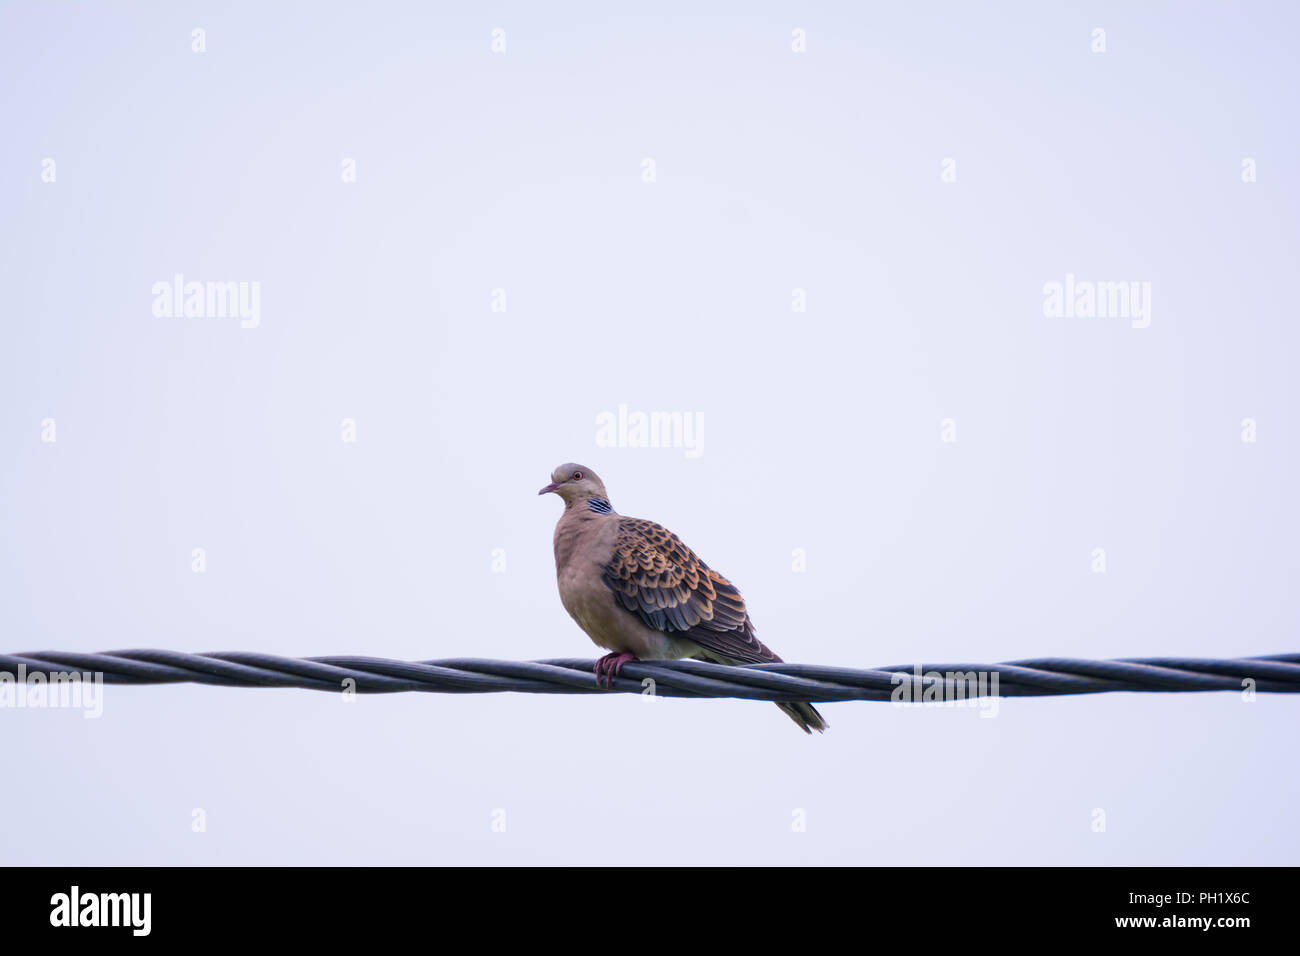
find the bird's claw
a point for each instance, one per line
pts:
(609, 667)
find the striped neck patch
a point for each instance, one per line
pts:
(599, 505)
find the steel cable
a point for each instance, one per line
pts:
(1039, 677)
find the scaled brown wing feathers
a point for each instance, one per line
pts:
(655, 576)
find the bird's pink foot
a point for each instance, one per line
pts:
(610, 666)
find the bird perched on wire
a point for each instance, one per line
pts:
(640, 593)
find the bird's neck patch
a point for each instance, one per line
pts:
(599, 505)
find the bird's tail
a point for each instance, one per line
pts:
(806, 716)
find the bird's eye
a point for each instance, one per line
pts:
(577, 476)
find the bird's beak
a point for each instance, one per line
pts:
(549, 488)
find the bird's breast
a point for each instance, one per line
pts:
(584, 546)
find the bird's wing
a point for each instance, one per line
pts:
(655, 576)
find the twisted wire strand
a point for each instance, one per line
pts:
(1039, 677)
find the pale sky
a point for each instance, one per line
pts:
(833, 267)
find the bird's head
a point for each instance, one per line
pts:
(575, 483)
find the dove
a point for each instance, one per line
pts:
(642, 594)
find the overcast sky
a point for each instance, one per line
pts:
(825, 236)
